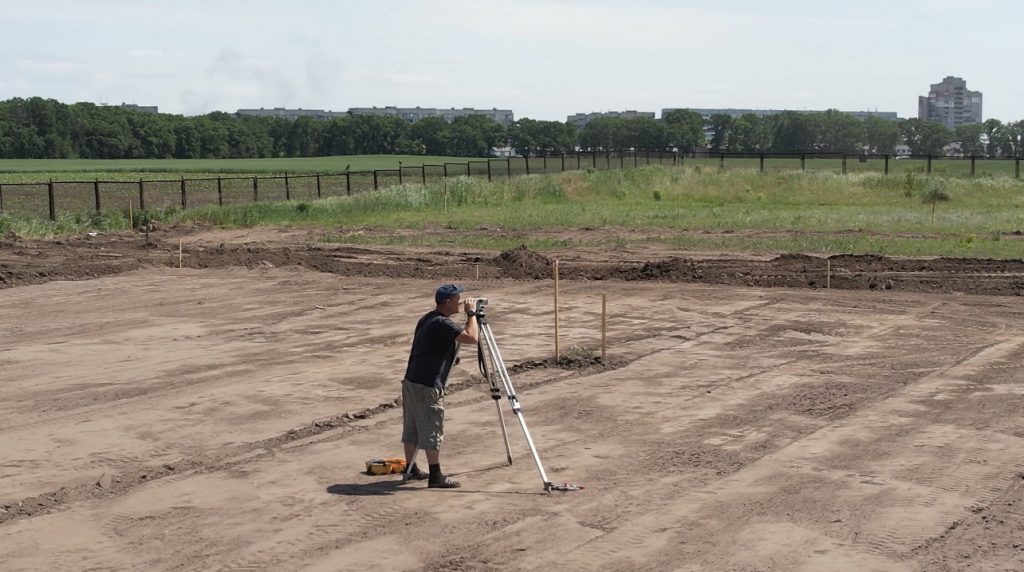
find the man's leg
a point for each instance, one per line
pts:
(410, 432)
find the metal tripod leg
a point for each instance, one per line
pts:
(502, 372)
(495, 395)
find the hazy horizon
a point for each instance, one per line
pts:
(543, 59)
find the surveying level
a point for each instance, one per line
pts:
(493, 374)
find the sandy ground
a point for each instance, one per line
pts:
(165, 419)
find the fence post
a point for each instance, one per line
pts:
(220, 192)
(287, 189)
(53, 206)
(803, 161)
(972, 165)
(508, 167)
(255, 190)
(636, 162)
(1016, 171)
(886, 164)
(348, 183)
(844, 163)
(375, 187)
(184, 201)
(399, 172)
(423, 174)
(318, 191)
(1, 197)
(488, 170)
(648, 156)
(929, 171)
(95, 192)
(545, 162)
(527, 164)
(142, 195)
(445, 170)
(721, 160)
(468, 173)
(563, 162)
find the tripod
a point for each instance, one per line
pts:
(497, 372)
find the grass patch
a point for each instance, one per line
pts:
(970, 221)
(87, 169)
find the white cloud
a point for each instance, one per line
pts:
(145, 54)
(34, 66)
(542, 58)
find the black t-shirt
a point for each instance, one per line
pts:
(433, 350)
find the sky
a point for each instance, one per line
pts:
(543, 59)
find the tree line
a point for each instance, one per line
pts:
(37, 128)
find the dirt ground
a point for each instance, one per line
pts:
(219, 416)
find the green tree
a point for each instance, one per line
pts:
(969, 138)
(749, 134)
(839, 132)
(994, 134)
(794, 132)
(605, 134)
(648, 134)
(475, 136)
(925, 137)
(336, 137)
(304, 137)
(685, 128)
(719, 124)
(434, 133)
(881, 136)
(532, 137)
(1012, 140)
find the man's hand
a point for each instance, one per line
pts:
(468, 304)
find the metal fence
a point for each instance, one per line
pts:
(50, 198)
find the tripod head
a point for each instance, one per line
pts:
(481, 303)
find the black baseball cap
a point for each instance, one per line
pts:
(447, 291)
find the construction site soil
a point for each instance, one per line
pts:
(752, 412)
(24, 262)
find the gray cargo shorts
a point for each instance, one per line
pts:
(422, 415)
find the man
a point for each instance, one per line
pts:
(434, 348)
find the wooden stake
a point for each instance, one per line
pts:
(129, 216)
(604, 326)
(556, 313)
(179, 253)
(477, 271)
(828, 274)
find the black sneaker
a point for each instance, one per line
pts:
(443, 483)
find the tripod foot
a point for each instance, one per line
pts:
(564, 487)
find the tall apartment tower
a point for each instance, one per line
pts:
(950, 103)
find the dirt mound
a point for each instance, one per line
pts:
(674, 268)
(521, 262)
(796, 257)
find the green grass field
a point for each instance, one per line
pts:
(62, 169)
(818, 211)
(40, 170)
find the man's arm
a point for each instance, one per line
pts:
(471, 335)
